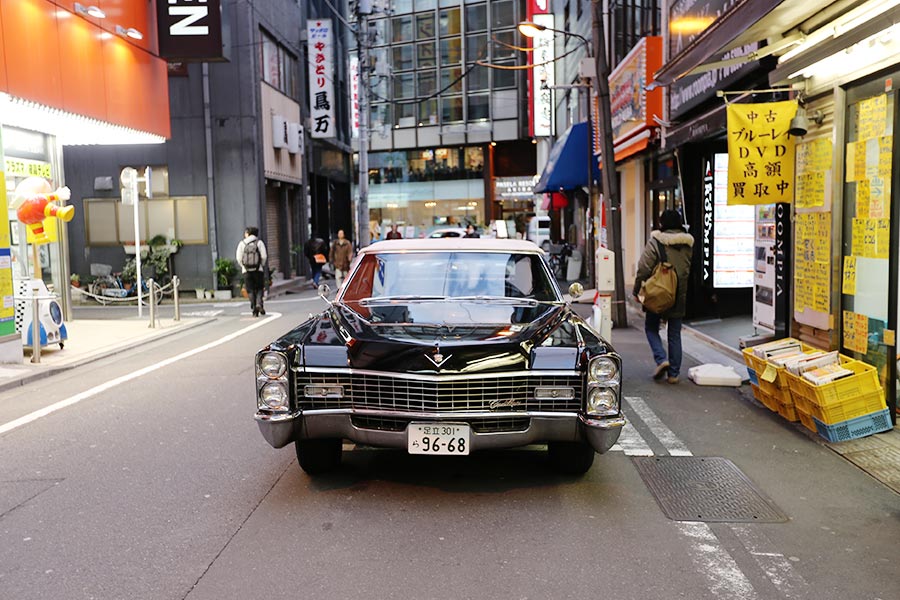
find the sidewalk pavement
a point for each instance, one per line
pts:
(94, 339)
(878, 455)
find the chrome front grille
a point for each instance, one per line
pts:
(479, 425)
(386, 392)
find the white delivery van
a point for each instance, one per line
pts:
(539, 231)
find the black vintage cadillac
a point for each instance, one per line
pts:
(443, 347)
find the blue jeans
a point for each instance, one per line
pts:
(651, 328)
(316, 271)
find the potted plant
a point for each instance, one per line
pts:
(225, 270)
(75, 278)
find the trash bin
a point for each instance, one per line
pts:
(573, 268)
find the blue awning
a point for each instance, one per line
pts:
(567, 166)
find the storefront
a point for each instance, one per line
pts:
(844, 68)
(92, 79)
(418, 190)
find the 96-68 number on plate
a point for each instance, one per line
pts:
(443, 439)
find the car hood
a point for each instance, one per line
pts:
(466, 338)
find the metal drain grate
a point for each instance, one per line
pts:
(712, 490)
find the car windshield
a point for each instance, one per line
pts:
(464, 276)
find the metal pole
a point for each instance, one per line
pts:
(150, 288)
(175, 283)
(137, 244)
(608, 176)
(362, 208)
(35, 323)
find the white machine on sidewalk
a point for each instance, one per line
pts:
(50, 318)
(605, 270)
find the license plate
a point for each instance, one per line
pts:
(437, 439)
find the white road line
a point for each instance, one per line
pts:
(724, 576)
(776, 566)
(47, 410)
(631, 443)
(669, 440)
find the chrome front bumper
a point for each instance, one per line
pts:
(282, 429)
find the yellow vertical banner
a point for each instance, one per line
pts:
(760, 152)
(7, 299)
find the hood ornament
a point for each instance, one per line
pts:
(438, 359)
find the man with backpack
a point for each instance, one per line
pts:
(251, 255)
(661, 287)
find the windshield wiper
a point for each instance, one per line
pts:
(402, 298)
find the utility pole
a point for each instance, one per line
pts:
(363, 9)
(609, 181)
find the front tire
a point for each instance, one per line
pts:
(317, 457)
(570, 458)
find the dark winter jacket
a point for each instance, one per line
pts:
(679, 248)
(341, 253)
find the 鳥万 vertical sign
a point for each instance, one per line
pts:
(321, 78)
(760, 153)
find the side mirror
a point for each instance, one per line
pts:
(576, 290)
(324, 290)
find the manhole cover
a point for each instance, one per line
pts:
(713, 490)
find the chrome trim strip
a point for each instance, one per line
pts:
(439, 378)
(439, 415)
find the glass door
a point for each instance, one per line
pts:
(869, 310)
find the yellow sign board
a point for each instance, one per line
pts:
(760, 152)
(22, 167)
(856, 332)
(848, 285)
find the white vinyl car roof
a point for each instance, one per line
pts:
(451, 244)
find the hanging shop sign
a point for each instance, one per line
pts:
(691, 91)
(543, 57)
(760, 152)
(631, 107)
(354, 96)
(23, 167)
(190, 30)
(321, 78)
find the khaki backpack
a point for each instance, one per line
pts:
(659, 291)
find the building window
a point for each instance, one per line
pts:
(425, 26)
(451, 51)
(476, 17)
(451, 109)
(279, 67)
(503, 14)
(402, 28)
(479, 107)
(631, 21)
(403, 57)
(450, 22)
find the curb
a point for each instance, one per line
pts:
(33, 376)
(722, 347)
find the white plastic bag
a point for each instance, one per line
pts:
(714, 374)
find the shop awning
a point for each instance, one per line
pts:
(769, 19)
(567, 165)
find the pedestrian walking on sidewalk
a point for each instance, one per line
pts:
(677, 246)
(252, 256)
(341, 252)
(315, 249)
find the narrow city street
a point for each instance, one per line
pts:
(162, 488)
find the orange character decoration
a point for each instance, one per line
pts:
(35, 201)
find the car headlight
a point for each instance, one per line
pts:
(273, 365)
(603, 401)
(274, 395)
(602, 370)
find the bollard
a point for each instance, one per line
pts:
(175, 283)
(35, 325)
(150, 287)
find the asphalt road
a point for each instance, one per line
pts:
(162, 488)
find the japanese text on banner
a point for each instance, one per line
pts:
(760, 153)
(321, 78)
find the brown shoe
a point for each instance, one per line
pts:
(672, 380)
(660, 369)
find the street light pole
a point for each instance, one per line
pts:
(609, 181)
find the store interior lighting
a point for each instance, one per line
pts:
(91, 11)
(130, 32)
(70, 129)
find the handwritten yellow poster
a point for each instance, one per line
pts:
(812, 262)
(885, 146)
(856, 332)
(871, 117)
(760, 152)
(850, 163)
(860, 162)
(882, 228)
(863, 198)
(857, 246)
(848, 283)
(879, 198)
